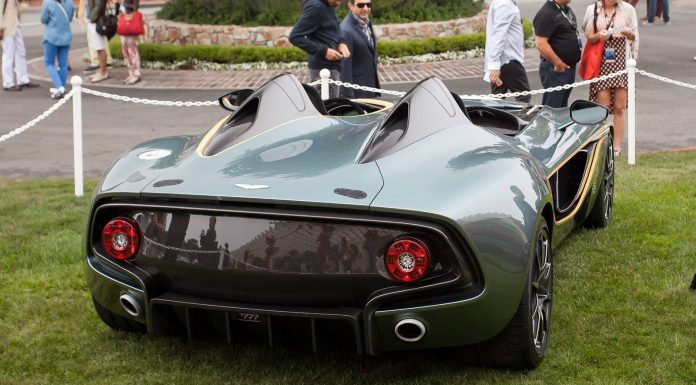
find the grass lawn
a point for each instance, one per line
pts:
(623, 313)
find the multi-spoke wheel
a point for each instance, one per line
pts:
(542, 287)
(523, 343)
(600, 216)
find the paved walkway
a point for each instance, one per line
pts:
(192, 79)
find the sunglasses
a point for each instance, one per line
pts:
(363, 5)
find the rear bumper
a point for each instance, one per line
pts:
(456, 317)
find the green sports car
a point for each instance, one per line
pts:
(422, 223)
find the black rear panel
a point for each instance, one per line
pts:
(269, 258)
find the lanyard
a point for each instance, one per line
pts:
(607, 21)
(572, 24)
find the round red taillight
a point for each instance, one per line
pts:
(407, 260)
(121, 238)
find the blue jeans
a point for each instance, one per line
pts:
(551, 78)
(51, 54)
(652, 7)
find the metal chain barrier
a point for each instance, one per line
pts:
(666, 80)
(486, 96)
(358, 87)
(550, 89)
(148, 101)
(39, 118)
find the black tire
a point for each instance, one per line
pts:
(524, 341)
(603, 208)
(116, 321)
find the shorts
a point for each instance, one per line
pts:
(96, 41)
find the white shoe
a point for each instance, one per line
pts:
(57, 93)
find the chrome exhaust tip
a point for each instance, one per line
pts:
(130, 304)
(409, 330)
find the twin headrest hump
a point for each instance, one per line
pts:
(280, 100)
(284, 94)
(427, 108)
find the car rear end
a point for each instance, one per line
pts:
(274, 273)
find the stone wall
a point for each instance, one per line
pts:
(171, 32)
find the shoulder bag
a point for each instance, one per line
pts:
(591, 60)
(107, 23)
(132, 27)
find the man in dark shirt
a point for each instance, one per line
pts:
(559, 45)
(361, 68)
(319, 34)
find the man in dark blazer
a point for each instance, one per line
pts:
(318, 33)
(361, 67)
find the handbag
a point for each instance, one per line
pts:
(591, 59)
(132, 27)
(107, 23)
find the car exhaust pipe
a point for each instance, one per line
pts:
(130, 304)
(409, 330)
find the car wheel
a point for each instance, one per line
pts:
(524, 341)
(601, 212)
(116, 321)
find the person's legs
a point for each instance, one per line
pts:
(658, 9)
(50, 53)
(620, 101)
(544, 68)
(8, 54)
(604, 97)
(99, 43)
(94, 58)
(136, 57)
(21, 59)
(550, 78)
(109, 59)
(665, 11)
(101, 54)
(514, 79)
(568, 77)
(652, 7)
(126, 55)
(63, 64)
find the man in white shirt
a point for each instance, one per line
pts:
(504, 66)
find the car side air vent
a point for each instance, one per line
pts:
(426, 109)
(235, 126)
(389, 135)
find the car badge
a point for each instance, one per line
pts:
(154, 154)
(252, 186)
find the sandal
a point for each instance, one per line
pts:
(132, 80)
(617, 151)
(98, 78)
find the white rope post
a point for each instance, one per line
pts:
(631, 136)
(76, 82)
(324, 75)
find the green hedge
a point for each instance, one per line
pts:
(286, 12)
(213, 53)
(249, 54)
